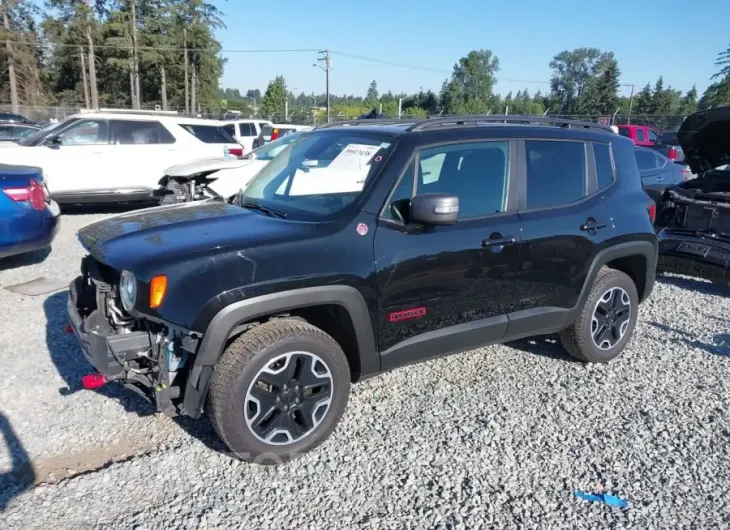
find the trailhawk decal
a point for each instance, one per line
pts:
(407, 314)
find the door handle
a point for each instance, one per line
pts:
(496, 240)
(592, 224)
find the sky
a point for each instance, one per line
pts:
(649, 39)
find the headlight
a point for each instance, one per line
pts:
(128, 290)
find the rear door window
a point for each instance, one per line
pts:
(556, 173)
(208, 134)
(132, 132)
(640, 136)
(7, 132)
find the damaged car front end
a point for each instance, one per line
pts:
(693, 218)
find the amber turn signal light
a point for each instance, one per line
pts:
(158, 288)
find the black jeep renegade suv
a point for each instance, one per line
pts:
(363, 247)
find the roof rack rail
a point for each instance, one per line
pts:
(452, 121)
(364, 121)
(154, 112)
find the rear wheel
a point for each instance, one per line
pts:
(279, 391)
(607, 320)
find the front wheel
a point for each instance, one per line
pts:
(279, 391)
(607, 320)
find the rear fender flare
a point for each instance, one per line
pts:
(225, 322)
(646, 249)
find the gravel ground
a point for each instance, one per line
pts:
(497, 438)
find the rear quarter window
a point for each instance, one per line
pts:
(209, 134)
(625, 160)
(604, 165)
(623, 131)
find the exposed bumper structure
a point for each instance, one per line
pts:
(693, 254)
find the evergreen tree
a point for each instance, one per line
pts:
(372, 94)
(644, 102)
(273, 103)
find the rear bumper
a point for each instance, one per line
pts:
(693, 255)
(33, 231)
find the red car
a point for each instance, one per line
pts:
(641, 134)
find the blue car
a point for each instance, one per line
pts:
(28, 216)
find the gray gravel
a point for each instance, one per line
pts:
(496, 438)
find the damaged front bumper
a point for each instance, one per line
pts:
(145, 357)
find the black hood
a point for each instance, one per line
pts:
(705, 139)
(182, 231)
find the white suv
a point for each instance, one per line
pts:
(245, 131)
(114, 156)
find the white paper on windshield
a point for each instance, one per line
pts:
(345, 174)
(325, 180)
(354, 157)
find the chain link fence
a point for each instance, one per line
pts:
(35, 113)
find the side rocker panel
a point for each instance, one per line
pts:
(226, 320)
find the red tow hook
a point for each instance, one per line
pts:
(93, 381)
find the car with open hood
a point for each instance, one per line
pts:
(693, 218)
(218, 177)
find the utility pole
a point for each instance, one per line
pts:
(135, 58)
(325, 56)
(631, 102)
(92, 60)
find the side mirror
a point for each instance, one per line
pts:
(54, 141)
(435, 209)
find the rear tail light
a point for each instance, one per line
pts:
(93, 381)
(35, 194)
(274, 134)
(686, 173)
(672, 153)
(651, 210)
(236, 151)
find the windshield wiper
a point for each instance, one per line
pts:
(268, 211)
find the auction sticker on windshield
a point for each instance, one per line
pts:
(354, 156)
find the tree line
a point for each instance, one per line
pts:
(129, 53)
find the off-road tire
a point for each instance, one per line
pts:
(175, 192)
(577, 338)
(241, 362)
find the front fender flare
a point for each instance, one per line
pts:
(227, 319)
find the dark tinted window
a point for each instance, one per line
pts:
(604, 167)
(624, 132)
(640, 136)
(555, 173)
(645, 160)
(652, 136)
(475, 172)
(669, 138)
(7, 116)
(230, 129)
(401, 197)
(209, 134)
(132, 132)
(247, 129)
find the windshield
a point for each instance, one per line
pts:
(42, 134)
(317, 175)
(270, 150)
